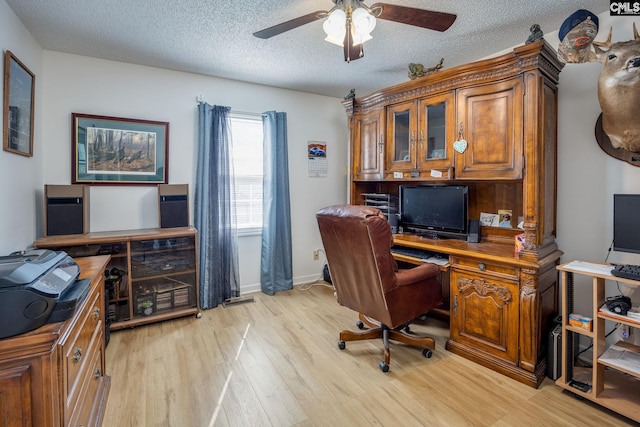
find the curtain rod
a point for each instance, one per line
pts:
(241, 113)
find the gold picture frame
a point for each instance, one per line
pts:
(19, 86)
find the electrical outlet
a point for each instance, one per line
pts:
(316, 254)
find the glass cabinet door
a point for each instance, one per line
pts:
(401, 120)
(437, 132)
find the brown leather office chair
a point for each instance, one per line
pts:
(357, 241)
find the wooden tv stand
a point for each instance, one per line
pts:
(500, 305)
(153, 273)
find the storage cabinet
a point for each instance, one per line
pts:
(368, 146)
(491, 121)
(485, 307)
(613, 379)
(55, 375)
(152, 275)
(420, 137)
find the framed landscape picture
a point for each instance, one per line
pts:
(19, 85)
(115, 150)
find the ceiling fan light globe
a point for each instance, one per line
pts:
(363, 22)
(334, 25)
(337, 40)
(360, 38)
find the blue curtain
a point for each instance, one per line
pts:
(214, 209)
(276, 271)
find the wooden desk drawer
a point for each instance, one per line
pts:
(79, 346)
(483, 267)
(82, 413)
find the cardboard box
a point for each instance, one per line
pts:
(580, 321)
(519, 242)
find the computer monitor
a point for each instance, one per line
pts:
(626, 223)
(438, 211)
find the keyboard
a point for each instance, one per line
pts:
(412, 252)
(627, 271)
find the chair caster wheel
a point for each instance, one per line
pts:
(342, 345)
(359, 324)
(384, 367)
(427, 353)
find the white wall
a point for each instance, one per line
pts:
(20, 175)
(86, 85)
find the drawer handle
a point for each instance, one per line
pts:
(77, 355)
(96, 312)
(98, 374)
(482, 267)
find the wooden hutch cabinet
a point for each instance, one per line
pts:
(501, 302)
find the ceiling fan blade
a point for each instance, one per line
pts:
(290, 25)
(351, 52)
(438, 21)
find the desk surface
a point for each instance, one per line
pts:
(490, 251)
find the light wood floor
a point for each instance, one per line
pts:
(275, 362)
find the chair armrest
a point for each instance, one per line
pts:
(417, 274)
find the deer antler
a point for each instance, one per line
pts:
(607, 43)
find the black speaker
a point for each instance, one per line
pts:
(473, 234)
(66, 209)
(173, 205)
(393, 222)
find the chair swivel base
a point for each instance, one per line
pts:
(381, 331)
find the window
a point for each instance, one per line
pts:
(246, 134)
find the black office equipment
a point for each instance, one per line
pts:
(627, 271)
(473, 236)
(38, 287)
(173, 205)
(66, 209)
(626, 226)
(435, 211)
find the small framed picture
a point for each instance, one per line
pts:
(19, 85)
(505, 218)
(489, 219)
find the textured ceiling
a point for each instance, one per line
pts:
(213, 37)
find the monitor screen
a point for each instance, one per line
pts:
(437, 211)
(626, 223)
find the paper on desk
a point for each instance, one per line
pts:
(436, 260)
(589, 267)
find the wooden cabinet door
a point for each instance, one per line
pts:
(368, 146)
(484, 314)
(490, 118)
(401, 137)
(436, 132)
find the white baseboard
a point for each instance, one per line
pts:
(255, 287)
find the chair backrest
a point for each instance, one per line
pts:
(357, 241)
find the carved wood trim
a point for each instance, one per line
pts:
(534, 56)
(483, 288)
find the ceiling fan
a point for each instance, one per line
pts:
(349, 23)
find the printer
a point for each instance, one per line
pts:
(38, 286)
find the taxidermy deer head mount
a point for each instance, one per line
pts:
(619, 90)
(619, 80)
